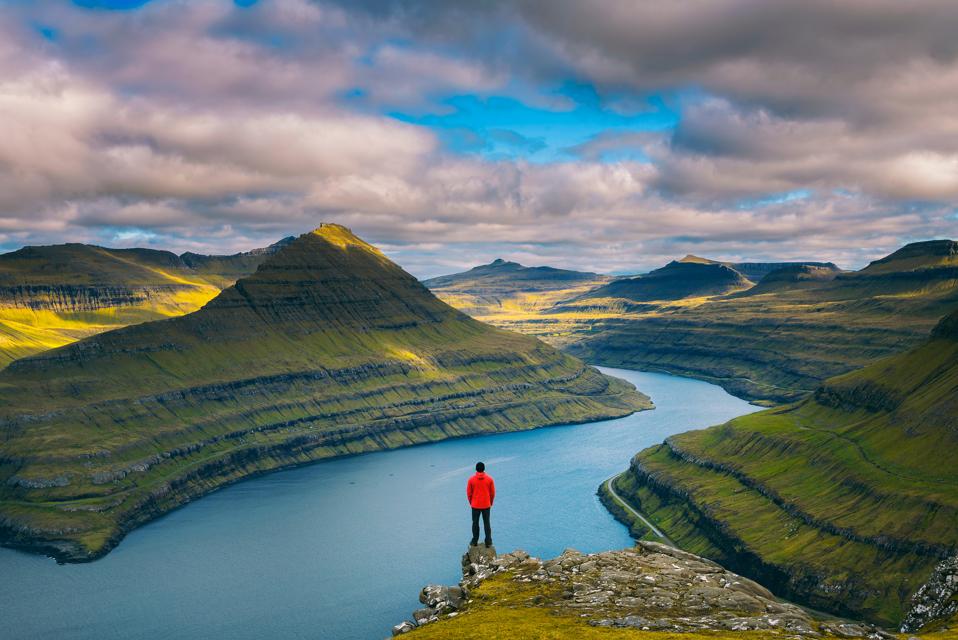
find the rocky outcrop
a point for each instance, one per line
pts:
(937, 599)
(478, 563)
(76, 298)
(651, 587)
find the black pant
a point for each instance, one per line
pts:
(485, 524)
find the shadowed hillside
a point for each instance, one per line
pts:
(328, 349)
(501, 288)
(54, 295)
(771, 343)
(674, 281)
(847, 500)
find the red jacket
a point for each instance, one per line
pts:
(481, 491)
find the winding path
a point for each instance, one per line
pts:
(609, 486)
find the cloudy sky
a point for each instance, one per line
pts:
(608, 135)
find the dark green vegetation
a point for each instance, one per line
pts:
(846, 500)
(674, 281)
(328, 349)
(54, 295)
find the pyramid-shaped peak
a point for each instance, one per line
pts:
(322, 253)
(340, 236)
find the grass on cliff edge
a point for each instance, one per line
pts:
(834, 492)
(501, 608)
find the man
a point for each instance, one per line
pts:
(481, 493)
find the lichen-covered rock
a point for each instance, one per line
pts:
(425, 615)
(937, 599)
(441, 598)
(478, 563)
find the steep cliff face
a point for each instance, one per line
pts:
(847, 500)
(328, 349)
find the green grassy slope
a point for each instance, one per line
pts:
(328, 349)
(778, 341)
(54, 295)
(845, 500)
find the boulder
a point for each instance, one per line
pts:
(425, 615)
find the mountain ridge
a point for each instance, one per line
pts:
(328, 349)
(55, 294)
(845, 500)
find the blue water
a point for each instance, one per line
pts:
(340, 549)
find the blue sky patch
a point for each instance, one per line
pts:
(503, 127)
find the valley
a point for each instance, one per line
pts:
(820, 498)
(328, 349)
(773, 342)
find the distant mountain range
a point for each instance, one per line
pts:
(847, 500)
(768, 331)
(54, 295)
(770, 341)
(502, 288)
(328, 349)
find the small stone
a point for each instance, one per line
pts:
(403, 627)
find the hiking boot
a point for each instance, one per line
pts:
(488, 543)
(473, 543)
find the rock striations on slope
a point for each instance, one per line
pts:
(54, 295)
(847, 500)
(328, 349)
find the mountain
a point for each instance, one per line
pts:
(793, 277)
(54, 295)
(329, 349)
(501, 289)
(232, 267)
(755, 271)
(778, 341)
(918, 256)
(676, 280)
(846, 500)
